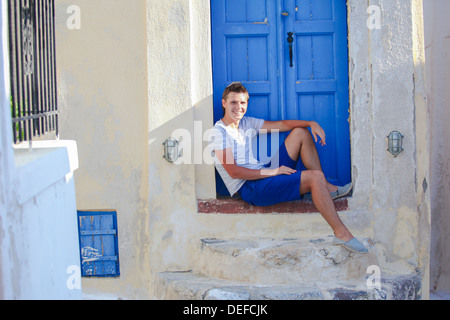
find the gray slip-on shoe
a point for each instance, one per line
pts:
(352, 245)
(342, 191)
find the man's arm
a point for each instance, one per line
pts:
(226, 158)
(288, 125)
(285, 125)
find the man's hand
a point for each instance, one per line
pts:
(317, 130)
(278, 171)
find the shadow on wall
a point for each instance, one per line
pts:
(194, 165)
(172, 195)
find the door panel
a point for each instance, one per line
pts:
(315, 59)
(317, 85)
(244, 49)
(314, 10)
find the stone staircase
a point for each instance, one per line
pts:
(283, 269)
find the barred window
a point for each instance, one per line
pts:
(34, 106)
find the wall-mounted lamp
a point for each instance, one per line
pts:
(171, 152)
(395, 143)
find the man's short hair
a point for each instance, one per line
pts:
(235, 87)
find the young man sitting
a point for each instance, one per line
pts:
(279, 181)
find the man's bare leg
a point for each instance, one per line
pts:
(300, 143)
(314, 181)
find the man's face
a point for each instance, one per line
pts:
(235, 106)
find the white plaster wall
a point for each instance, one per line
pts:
(202, 94)
(393, 185)
(39, 254)
(180, 74)
(437, 39)
(6, 155)
(387, 93)
(103, 96)
(42, 259)
(170, 72)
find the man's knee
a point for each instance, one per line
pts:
(300, 132)
(311, 179)
(314, 175)
(301, 135)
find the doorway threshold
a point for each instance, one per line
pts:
(238, 206)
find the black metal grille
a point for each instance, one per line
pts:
(34, 106)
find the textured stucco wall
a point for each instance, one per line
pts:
(103, 94)
(387, 93)
(42, 253)
(437, 39)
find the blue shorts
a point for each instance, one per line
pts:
(273, 190)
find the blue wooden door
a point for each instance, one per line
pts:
(307, 79)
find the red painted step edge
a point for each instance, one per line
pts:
(237, 206)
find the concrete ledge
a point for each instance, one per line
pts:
(282, 261)
(191, 286)
(237, 206)
(38, 168)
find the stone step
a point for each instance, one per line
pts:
(191, 286)
(282, 261)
